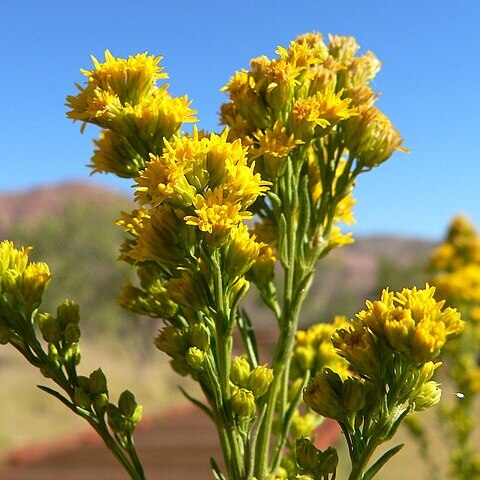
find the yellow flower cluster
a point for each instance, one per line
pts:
(122, 97)
(410, 323)
(455, 264)
(22, 283)
(247, 385)
(282, 104)
(314, 350)
(208, 178)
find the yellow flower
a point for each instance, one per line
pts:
(158, 115)
(241, 251)
(273, 145)
(370, 137)
(114, 154)
(323, 110)
(412, 322)
(215, 215)
(342, 48)
(128, 78)
(12, 258)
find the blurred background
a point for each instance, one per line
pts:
(48, 199)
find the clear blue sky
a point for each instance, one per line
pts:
(430, 83)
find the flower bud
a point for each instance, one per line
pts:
(127, 404)
(321, 396)
(81, 398)
(305, 357)
(353, 395)
(307, 454)
(199, 337)
(50, 328)
(68, 312)
(171, 341)
(243, 402)
(328, 463)
(97, 382)
(71, 333)
(36, 277)
(240, 371)
(259, 380)
(195, 358)
(100, 403)
(429, 396)
(11, 280)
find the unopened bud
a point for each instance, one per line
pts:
(97, 382)
(353, 395)
(240, 371)
(68, 312)
(243, 402)
(195, 358)
(127, 403)
(199, 337)
(71, 333)
(306, 454)
(100, 402)
(428, 397)
(259, 380)
(50, 328)
(81, 398)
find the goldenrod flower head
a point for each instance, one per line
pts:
(216, 215)
(128, 78)
(342, 48)
(371, 137)
(412, 322)
(305, 51)
(259, 380)
(187, 291)
(240, 372)
(12, 258)
(262, 270)
(160, 236)
(242, 402)
(362, 70)
(273, 146)
(35, 279)
(428, 396)
(323, 110)
(115, 155)
(241, 251)
(323, 394)
(158, 116)
(359, 347)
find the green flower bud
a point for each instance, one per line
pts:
(50, 328)
(100, 403)
(97, 382)
(305, 357)
(171, 341)
(83, 382)
(81, 398)
(195, 358)
(307, 454)
(11, 280)
(240, 371)
(353, 395)
(322, 394)
(115, 418)
(127, 403)
(429, 396)
(71, 333)
(180, 366)
(259, 380)
(243, 402)
(199, 337)
(72, 354)
(68, 312)
(328, 462)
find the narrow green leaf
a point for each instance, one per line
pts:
(373, 470)
(197, 403)
(218, 475)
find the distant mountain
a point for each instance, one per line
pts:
(72, 227)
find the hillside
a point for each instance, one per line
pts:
(72, 227)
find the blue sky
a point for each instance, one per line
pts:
(430, 79)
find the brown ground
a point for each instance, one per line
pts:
(177, 446)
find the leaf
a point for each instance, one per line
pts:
(58, 395)
(218, 475)
(248, 337)
(197, 403)
(373, 470)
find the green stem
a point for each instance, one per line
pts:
(360, 465)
